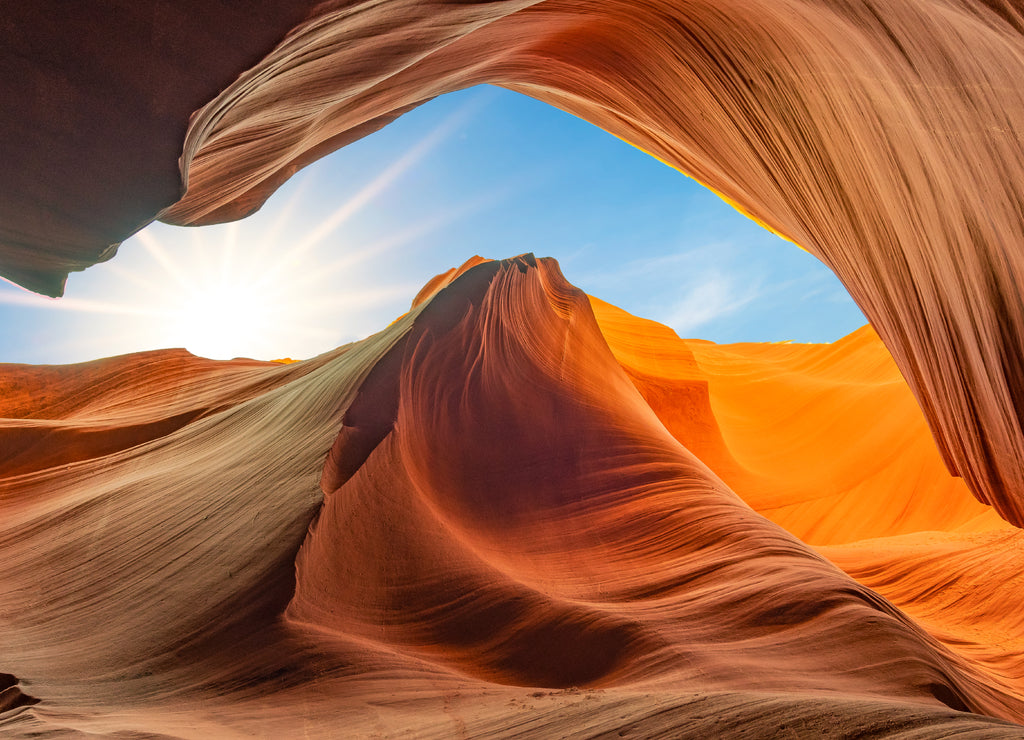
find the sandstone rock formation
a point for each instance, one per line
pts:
(477, 522)
(525, 490)
(880, 136)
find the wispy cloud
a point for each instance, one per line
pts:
(709, 296)
(657, 267)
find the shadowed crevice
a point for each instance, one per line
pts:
(11, 695)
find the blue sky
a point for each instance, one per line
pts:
(342, 248)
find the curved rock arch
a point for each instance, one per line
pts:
(880, 136)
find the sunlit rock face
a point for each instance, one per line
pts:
(516, 509)
(881, 137)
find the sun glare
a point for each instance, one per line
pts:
(245, 289)
(224, 321)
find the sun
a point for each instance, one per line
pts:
(245, 289)
(225, 320)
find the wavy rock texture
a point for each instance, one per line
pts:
(880, 136)
(489, 519)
